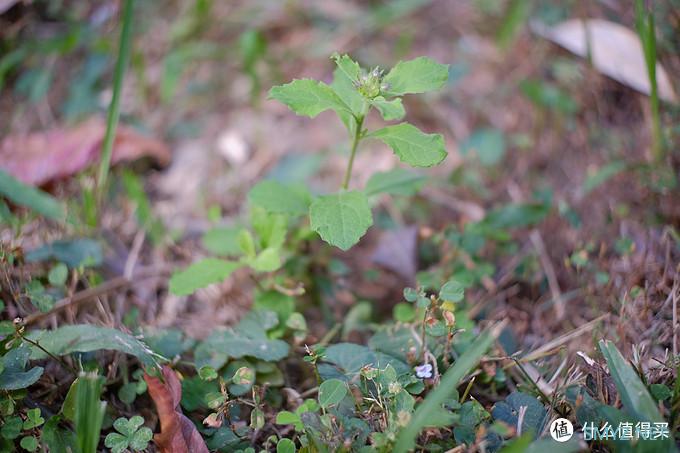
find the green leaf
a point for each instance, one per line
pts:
(33, 419)
(390, 110)
(222, 241)
(634, 395)
(349, 68)
(449, 382)
(535, 416)
(598, 177)
(308, 97)
(487, 143)
(246, 243)
(207, 373)
(248, 338)
(24, 195)
(201, 274)
(411, 145)
(268, 260)
(116, 442)
(57, 439)
(87, 338)
(452, 291)
(285, 446)
(11, 429)
(140, 440)
(416, 76)
(345, 88)
(74, 253)
(397, 181)
(271, 228)
(128, 427)
(279, 198)
(341, 219)
(331, 392)
(13, 376)
(351, 357)
(287, 418)
(29, 443)
(58, 275)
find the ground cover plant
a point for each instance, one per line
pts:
(222, 231)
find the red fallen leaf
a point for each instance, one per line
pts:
(178, 434)
(40, 157)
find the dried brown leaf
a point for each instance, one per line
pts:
(41, 157)
(178, 434)
(615, 50)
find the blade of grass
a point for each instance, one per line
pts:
(89, 411)
(124, 49)
(644, 22)
(21, 194)
(406, 440)
(634, 394)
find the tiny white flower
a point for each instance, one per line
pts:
(424, 371)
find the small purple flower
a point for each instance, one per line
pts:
(424, 371)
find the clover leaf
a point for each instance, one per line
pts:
(131, 434)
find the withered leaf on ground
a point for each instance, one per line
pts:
(616, 51)
(40, 157)
(178, 434)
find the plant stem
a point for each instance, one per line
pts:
(644, 21)
(355, 143)
(114, 108)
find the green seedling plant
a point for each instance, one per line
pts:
(343, 217)
(339, 218)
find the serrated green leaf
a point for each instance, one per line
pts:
(416, 76)
(280, 198)
(349, 67)
(331, 392)
(308, 97)
(222, 241)
(19, 193)
(201, 274)
(390, 110)
(344, 87)
(341, 219)
(411, 145)
(395, 182)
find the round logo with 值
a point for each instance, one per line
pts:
(561, 430)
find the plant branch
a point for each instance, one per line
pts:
(355, 143)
